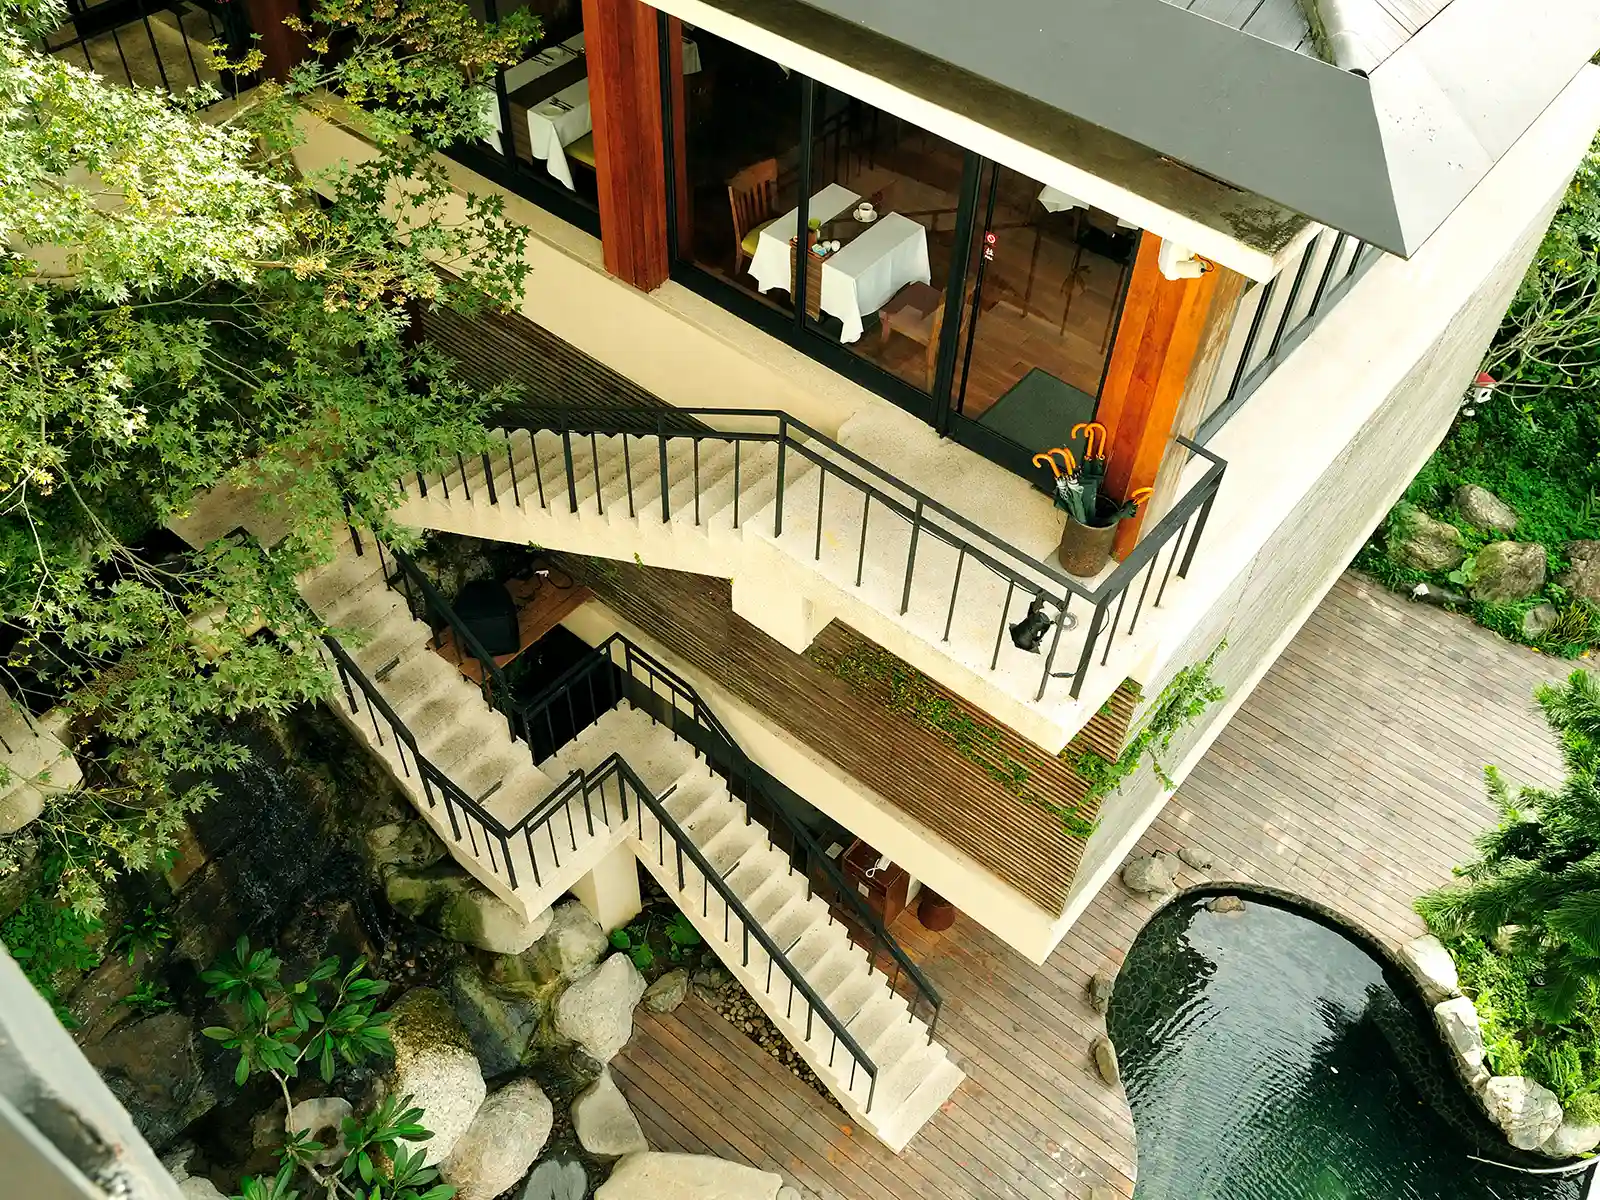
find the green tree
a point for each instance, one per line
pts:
(1539, 869)
(180, 308)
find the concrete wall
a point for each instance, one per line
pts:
(1329, 442)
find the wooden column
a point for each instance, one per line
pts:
(281, 46)
(1164, 323)
(620, 40)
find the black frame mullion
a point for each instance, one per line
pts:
(802, 212)
(945, 398)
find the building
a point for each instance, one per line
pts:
(1265, 250)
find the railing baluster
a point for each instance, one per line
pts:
(1005, 612)
(627, 475)
(911, 558)
(666, 482)
(950, 614)
(861, 552)
(783, 450)
(1050, 659)
(696, 446)
(738, 444)
(594, 458)
(571, 471)
(1088, 648)
(822, 481)
(1162, 590)
(1111, 634)
(511, 466)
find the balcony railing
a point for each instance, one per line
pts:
(151, 44)
(1168, 547)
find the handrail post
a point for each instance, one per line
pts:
(911, 559)
(571, 471)
(783, 450)
(666, 483)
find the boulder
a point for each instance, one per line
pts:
(19, 805)
(1433, 968)
(686, 1177)
(1527, 1112)
(435, 1066)
(1582, 576)
(1105, 1060)
(96, 1004)
(597, 1011)
(1458, 1022)
(1195, 858)
(1148, 876)
(666, 993)
(153, 1068)
(1419, 541)
(571, 945)
(1571, 1140)
(1482, 509)
(447, 899)
(1225, 905)
(505, 1137)
(1539, 620)
(403, 844)
(198, 1187)
(1101, 987)
(500, 1019)
(557, 1179)
(603, 1121)
(23, 879)
(323, 1118)
(1508, 571)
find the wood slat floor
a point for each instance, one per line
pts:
(1353, 776)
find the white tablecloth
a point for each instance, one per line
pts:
(525, 73)
(770, 264)
(863, 276)
(1055, 200)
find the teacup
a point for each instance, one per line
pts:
(865, 211)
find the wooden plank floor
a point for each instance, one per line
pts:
(1353, 775)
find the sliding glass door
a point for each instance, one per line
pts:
(967, 293)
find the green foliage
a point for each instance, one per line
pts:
(49, 938)
(150, 997)
(677, 936)
(1189, 693)
(327, 1017)
(147, 931)
(1524, 922)
(229, 320)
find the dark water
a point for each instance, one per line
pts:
(1267, 1057)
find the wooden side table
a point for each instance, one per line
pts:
(884, 891)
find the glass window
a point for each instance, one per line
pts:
(741, 130)
(1044, 292)
(884, 199)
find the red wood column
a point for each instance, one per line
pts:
(1157, 338)
(281, 46)
(620, 39)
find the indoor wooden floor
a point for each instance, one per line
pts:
(1352, 775)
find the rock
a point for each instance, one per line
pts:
(1225, 905)
(1419, 541)
(435, 1066)
(505, 1137)
(570, 947)
(1101, 986)
(323, 1118)
(1508, 572)
(603, 1121)
(152, 1066)
(666, 993)
(1433, 967)
(177, 1160)
(597, 1011)
(266, 1127)
(1458, 1021)
(403, 844)
(686, 1177)
(96, 1004)
(788, 1193)
(1482, 509)
(1582, 576)
(1195, 858)
(198, 1187)
(22, 880)
(1105, 1060)
(1570, 1140)
(447, 899)
(557, 1179)
(1148, 876)
(501, 1020)
(1539, 620)
(1528, 1113)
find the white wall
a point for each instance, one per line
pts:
(1329, 442)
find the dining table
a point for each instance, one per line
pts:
(552, 87)
(1055, 200)
(875, 258)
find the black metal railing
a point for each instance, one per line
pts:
(1026, 578)
(617, 670)
(613, 790)
(1278, 315)
(154, 43)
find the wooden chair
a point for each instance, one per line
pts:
(916, 312)
(753, 197)
(582, 150)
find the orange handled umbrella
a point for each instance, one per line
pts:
(1094, 438)
(1047, 458)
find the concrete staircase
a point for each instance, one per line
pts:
(721, 503)
(469, 743)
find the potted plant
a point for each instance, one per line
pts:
(1092, 516)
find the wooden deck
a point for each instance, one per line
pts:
(1352, 776)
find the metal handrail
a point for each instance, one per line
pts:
(711, 880)
(1033, 578)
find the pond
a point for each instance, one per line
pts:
(1267, 1056)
